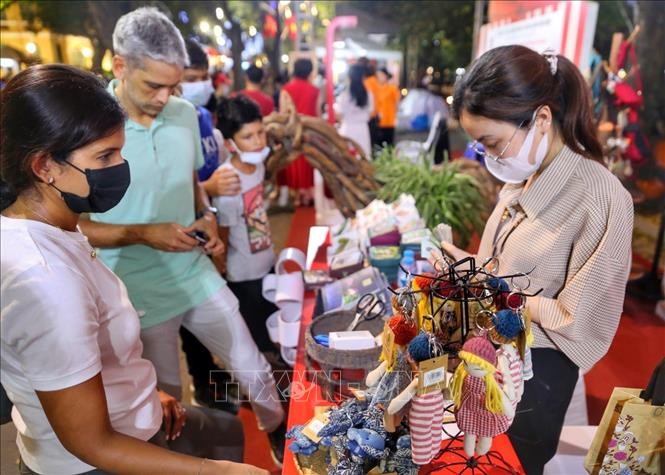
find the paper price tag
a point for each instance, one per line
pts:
(314, 426)
(432, 377)
(359, 394)
(427, 246)
(444, 233)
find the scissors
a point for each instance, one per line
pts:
(368, 308)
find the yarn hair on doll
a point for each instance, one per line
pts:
(404, 329)
(420, 348)
(480, 352)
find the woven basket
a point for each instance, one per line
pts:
(333, 362)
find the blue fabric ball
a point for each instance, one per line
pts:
(419, 348)
(507, 323)
(498, 284)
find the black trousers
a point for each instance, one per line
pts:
(374, 133)
(442, 144)
(387, 135)
(539, 416)
(255, 310)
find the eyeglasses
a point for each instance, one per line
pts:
(479, 149)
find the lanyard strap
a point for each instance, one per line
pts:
(505, 229)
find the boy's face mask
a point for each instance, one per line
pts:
(198, 92)
(253, 158)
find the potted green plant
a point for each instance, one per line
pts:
(448, 193)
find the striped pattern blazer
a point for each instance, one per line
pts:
(574, 232)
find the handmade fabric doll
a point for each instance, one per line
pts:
(507, 330)
(301, 444)
(390, 378)
(483, 410)
(426, 411)
(399, 460)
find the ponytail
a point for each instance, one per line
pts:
(509, 83)
(576, 121)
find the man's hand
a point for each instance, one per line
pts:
(208, 225)
(167, 237)
(223, 182)
(174, 415)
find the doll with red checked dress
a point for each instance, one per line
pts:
(483, 410)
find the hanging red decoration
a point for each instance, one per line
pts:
(269, 27)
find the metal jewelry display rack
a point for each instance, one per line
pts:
(464, 282)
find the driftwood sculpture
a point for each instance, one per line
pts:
(346, 170)
(341, 161)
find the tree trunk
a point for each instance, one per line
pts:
(652, 65)
(237, 48)
(275, 51)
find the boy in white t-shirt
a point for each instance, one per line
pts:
(243, 220)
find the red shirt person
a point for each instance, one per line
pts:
(254, 78)
(299, 175)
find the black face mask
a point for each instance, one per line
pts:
(107, 187)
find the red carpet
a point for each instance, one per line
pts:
(257, 448)
(638, 347)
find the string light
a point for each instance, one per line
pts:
(204, 26)
(219, 13)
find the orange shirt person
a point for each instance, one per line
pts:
(386, 103)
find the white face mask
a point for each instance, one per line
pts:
(198, 93)
(253, 158)
(518, 168)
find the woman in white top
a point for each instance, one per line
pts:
(355, 105)
(84, 399)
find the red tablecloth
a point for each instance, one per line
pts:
(306, 395)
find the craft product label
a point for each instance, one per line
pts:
(432, 375)
(314, 426)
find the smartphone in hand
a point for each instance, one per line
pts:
(200, 236)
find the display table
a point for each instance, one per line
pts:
(306, 395)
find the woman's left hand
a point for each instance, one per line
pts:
(208, 225)
(175, 415)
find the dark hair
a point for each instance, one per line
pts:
(198, 59)
(254, 74)
(302, 68)
(52, 109)
(368, 68)
(356, 86)
(234, 112)
(509, 83)
(386, 72)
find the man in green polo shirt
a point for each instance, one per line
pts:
(149, 239)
